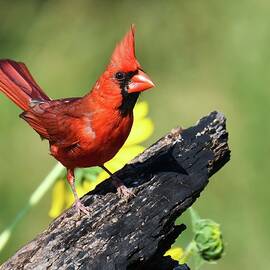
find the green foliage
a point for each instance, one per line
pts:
(208, 240)
(205, 244)
(89, 174)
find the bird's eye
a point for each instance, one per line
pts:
(120, 75)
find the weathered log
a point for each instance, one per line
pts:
(167, 178)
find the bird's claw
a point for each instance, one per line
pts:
(125, 193)
(81, 208)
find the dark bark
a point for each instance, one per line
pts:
(167, 178)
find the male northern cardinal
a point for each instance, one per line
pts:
(85, 131)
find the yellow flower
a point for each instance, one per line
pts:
(87, 179)
(175, 252)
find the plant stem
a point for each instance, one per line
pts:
(188, 252)
(194, 218)
(36, 196)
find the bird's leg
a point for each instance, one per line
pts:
(122, 190)
(78, 204)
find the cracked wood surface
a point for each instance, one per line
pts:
(166, 178)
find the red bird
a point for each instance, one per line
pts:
(85, 131)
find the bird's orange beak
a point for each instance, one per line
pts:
(140, 82)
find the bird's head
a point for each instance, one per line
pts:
(123, 80)
(124, 68)
(124, 73)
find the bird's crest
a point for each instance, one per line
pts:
(123, 57)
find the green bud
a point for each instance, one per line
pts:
(208, 239)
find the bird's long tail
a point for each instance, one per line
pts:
(17, 84)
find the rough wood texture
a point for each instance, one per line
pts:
(167, 178)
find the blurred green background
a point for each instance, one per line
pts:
(202, 55)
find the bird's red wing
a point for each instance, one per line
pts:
(35, 123)
(61, 129)
(57, 120)
(57, 128)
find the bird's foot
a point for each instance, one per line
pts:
(125, 193)
(81, 208)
